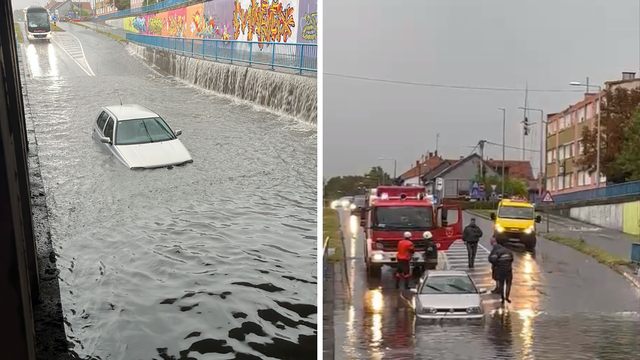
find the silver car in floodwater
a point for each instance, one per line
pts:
(447, 294)
(138, 138)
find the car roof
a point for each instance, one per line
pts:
(447, 273)
(130, 111)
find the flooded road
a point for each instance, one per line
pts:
(565, 306)
(216, 259)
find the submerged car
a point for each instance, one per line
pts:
(447, 294)
(138, 138)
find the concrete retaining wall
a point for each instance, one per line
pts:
(624, 217)
(290, 94)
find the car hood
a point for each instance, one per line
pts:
(515, 223)
(443, 301)
(153, 155)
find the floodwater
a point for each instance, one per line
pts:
(564, 306)
(215, 259)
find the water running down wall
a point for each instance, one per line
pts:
(293, 95)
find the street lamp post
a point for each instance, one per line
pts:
(599, 110)
(504, 126)
(543, 133)
(394, 165)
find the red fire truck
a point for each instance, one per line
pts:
(392, 210)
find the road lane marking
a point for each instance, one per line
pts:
(83, 55)
(78, 58)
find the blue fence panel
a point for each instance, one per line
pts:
(144, 9)
(635, 252)
(301, 57)
(604, 192)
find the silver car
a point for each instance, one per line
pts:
(138, 138)
(447, 294)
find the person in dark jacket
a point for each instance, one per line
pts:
(471, 236)
(501, 259)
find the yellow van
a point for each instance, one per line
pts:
(515, 221)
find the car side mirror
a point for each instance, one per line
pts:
(105, 140)
(178, 133)
(413, 290)
(493, 216)
(538, 219)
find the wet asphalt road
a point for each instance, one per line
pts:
(564, 306)
(213, 260)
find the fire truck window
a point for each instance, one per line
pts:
(405, 217)
(452, 216)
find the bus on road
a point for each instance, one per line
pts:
(37, 24)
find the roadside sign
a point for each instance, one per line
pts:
(439, 184)
(493, 187)
(547, 198)
(55, 18)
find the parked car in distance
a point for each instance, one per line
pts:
(138, 138)
(447, 294)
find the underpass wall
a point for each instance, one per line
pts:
(289, 94)
(623, 217)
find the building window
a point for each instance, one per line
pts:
(568, 183)
(550, 156)
(549, 183)
(581, 176)
(603, 179)
(560, 182)
(580, 148)
(587, 178)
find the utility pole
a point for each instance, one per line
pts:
(504, 125)
(481, 145)
(437, 141)
(525, 120)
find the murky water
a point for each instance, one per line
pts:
(565, 306)
(215, 259)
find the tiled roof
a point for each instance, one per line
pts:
(426, 166)
(517, 169)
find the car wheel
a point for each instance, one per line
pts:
(530, 245)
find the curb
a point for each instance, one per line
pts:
(620, 269)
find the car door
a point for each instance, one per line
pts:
(98, 125)
(108, 132)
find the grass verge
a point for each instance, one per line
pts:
(114, 37)
(57, 28)
(18, 32)
(483, 213)
(600, 255)
(331, 229)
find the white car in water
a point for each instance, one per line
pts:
(447, 294)
(138, 138)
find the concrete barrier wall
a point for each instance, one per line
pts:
(609, 216)
(289, 94)
(624, 217)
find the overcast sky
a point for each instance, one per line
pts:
(21, 4)
(492, 43)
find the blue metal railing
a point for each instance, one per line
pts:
(283, 55)
(606, 192)
(143, 9)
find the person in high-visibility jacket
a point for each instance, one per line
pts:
(405, 253)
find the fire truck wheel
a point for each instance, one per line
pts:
(374, 270)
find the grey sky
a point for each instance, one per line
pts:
(495, 43)
(21, 4)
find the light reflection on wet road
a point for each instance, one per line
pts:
(565, 306)
(215, 259)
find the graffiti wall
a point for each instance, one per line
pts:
(284, 21)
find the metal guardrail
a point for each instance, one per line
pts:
(283, 55)
(606, 192)
(143, 9)
(325, 258)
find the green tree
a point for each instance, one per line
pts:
(628, 160)
(339, 186)
(618, 109)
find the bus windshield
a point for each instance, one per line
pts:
(38, 20)
(403, 218)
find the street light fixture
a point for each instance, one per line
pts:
(543, 134)
(599, 110)
(504, 126)
(394, 164)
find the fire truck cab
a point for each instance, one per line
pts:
(392, 210)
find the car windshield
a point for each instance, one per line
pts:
(515, 212)
(403, 217)
(142, 131)
(448, 285)
(38, 19)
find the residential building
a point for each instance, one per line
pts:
(105, 7)
(135, 4)
(459, 173)
(62, 8)
(564, 140)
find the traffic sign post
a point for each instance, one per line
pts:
(547, 199)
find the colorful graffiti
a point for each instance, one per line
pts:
(250, 20)
(309, 21)
(268, 20)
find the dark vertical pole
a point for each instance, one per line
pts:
(17, 277)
